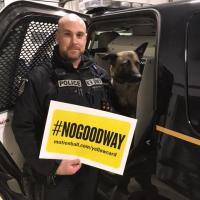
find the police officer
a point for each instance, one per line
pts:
(72, 78)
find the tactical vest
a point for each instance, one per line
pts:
(81, 87)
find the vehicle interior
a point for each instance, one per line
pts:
(126, 35)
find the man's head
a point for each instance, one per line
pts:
(71, 37)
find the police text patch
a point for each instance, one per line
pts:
(69, 83)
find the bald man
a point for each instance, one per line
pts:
(66, 179)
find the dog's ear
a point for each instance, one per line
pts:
(111, 57)
(141, 49)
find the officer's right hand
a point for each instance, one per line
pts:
(68, 167)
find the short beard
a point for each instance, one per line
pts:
(66, 57)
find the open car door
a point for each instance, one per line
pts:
(27, 37)
(126, 31)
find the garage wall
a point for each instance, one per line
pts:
(81, 5)
(76, 4)
(48, 2)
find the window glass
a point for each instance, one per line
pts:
(129, 75)
(123, 34)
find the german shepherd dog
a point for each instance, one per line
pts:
(125, 79)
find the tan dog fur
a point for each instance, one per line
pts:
(125, 79)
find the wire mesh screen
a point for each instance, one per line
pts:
(29, 44)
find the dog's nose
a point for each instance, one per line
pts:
(136, 77)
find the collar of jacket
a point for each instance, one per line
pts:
(59, 62)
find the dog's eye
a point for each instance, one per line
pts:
(137, 64)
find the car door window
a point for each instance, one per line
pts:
(125, 32)
(28, 44)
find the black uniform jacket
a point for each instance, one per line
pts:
(56, 80)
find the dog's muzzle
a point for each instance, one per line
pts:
(131, 78)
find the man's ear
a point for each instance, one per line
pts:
(141, 49)
(111, 57)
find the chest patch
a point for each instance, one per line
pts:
(69, 83)
(93, 81)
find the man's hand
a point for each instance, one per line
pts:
(68, 167)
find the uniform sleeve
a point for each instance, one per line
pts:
(28, 125)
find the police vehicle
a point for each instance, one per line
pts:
(164, 159)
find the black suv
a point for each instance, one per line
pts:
(164, 159)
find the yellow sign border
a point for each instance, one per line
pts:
(65, 107)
